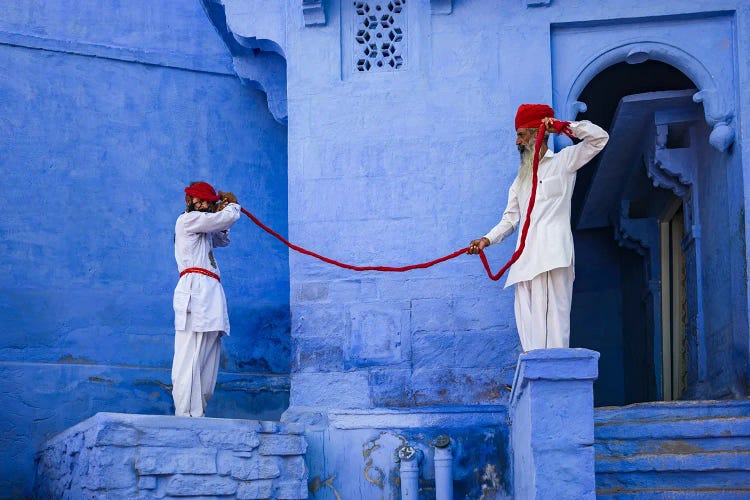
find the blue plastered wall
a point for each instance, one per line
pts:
(421, 165)
(108, 111)
(112, 108)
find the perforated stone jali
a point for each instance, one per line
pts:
(379, 35)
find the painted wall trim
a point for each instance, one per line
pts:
(719, 113)
(256, 36)
(441, 7)
(314, 12)
(161, 59)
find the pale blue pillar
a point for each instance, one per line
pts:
(552, 424)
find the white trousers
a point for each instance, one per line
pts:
(542, 308)
(194, 369)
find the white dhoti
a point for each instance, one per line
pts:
(542, 308)
(194, 369)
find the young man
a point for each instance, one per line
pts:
(200, 308)
(544, 273)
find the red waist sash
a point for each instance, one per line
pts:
(200, 270)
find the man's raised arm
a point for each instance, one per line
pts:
(593, 139)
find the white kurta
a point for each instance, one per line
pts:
(544, 273)
(196, 235)
(200, 309)
(549, 243)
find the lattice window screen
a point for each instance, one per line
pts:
(379, 35)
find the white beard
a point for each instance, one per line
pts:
(525, 169)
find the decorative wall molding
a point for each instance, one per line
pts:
(639, 235)
(265, 72)
(255, 33)
(715, 92)
(441, 7)
(665, 172)
(165, 59)
(538, 3)
(690, 46)
(314, 12)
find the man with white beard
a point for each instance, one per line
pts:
(544, 272)
(200, 307)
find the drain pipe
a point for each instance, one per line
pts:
(443, 468)
(409, 472)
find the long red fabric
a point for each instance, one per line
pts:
(559, 127)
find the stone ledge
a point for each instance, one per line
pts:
(554, 365)
(157, 456)
(385, 418)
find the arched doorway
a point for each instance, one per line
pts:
(639, 296)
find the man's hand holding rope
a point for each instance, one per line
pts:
(226, 198)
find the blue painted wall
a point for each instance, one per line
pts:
(387, 167)
(422, 163)
(108, 111)
(421, 166)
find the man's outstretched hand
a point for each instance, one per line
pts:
(226, 198)
(476, 245)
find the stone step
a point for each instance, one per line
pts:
(660, 494)
(628, 447)
(682, 481)
(685, 449)
(649, 430)
(673, 410)
(667, 462)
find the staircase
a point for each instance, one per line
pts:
(673, 450)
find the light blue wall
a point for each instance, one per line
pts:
(421, 165)
(96, 149)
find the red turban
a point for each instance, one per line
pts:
(202, 190)
(530, 115)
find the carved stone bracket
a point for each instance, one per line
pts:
(441, 7)
(674, 169)
(722, 135)
(667, 173)
(265, 72)
(639, 235)
(313, 12)
(255, 33)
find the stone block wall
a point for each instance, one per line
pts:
(114, 456)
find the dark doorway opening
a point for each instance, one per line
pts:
(612, 308)
(603, 94)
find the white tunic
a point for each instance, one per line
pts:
(549, 243)
(196, 234)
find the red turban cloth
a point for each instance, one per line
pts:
(530, 115)
(202, 190)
